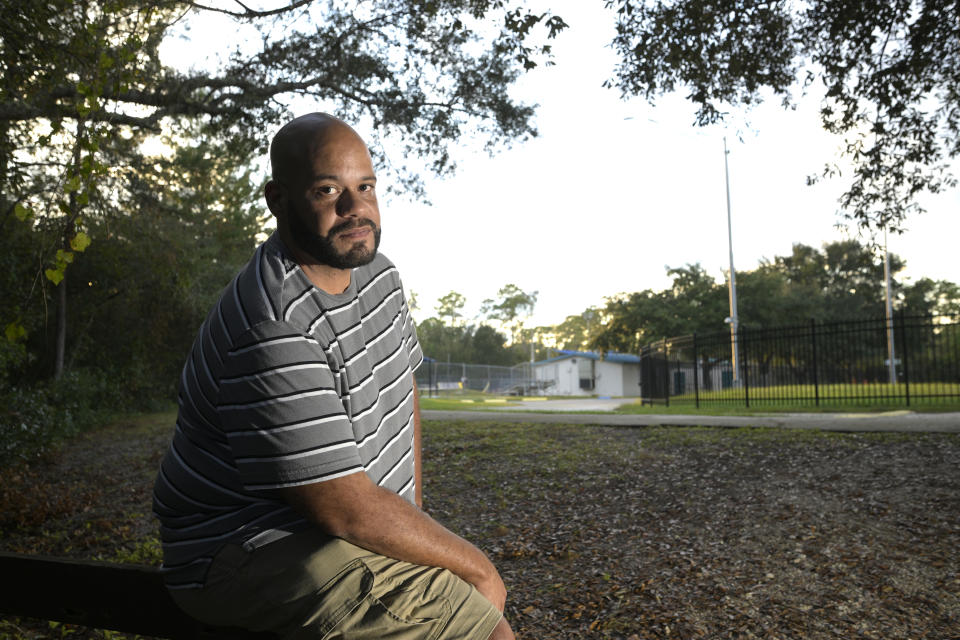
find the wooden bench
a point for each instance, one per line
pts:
(120, 597)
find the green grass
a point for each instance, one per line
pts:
(832, 397)
(860, 398)
(738, 409)
(868, 392)
(479, 401)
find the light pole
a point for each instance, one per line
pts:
(892, 365)
(733, 320)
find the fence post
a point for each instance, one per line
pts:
(696, 380)
(666, 372)
(903, 354)
(743, 363)
(813, 342)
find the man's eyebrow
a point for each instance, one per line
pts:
(332, 176)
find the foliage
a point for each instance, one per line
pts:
(576, 332)
(693, 303)
(889, 73)
(84, 88)
(479, 344)
(450, 309)
(843, 281)
(510, 310)
(149, 276)
(36, 419)
(448, 336)
(419, 71)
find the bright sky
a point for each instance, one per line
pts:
(612, 192)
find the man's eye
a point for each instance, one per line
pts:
(366, 187)
(324, 191)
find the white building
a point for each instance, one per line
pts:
(585, 373)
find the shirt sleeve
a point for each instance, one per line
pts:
(281, 412)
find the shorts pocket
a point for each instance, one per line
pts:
(332, 603)
(393, 615)
(409, 607)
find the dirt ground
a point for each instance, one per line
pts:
(611, 532)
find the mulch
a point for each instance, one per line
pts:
(612, 532)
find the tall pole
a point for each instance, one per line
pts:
(892, 364)
(734, 321)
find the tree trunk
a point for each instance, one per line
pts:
(61, 343)
(61, 328)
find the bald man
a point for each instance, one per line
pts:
(289, 500)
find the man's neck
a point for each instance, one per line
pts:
(325, 277)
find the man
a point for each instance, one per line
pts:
(289, 498)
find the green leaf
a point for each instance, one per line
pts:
(54, 275)
(64, 258)
(22, 213)
(15, 332)
(72, 184)
(80, 242)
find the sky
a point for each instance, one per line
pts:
(612, 192)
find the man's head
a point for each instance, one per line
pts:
(322, 192)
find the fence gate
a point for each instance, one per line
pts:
(654, 374)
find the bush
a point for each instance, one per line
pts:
(37, 418)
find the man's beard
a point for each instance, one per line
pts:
(321, 247)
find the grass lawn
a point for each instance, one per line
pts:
(729, 402)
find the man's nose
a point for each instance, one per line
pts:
(348, 206)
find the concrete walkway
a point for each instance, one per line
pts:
(559, 411)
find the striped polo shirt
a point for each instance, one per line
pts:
(285, 385)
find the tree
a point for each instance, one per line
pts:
(889, 72)
(511, 309)
(83, 86)
(931, 297)
(149, 278)
(576, 331)
(488, 346)
(450, 309)
(844, 281)
(694, 302)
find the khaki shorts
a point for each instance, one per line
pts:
(310, 585)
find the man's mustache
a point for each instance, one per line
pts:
(350, 224)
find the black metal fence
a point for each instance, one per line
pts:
(812, 364)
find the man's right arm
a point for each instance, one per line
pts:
(354, 508)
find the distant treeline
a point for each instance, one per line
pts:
(843, 280)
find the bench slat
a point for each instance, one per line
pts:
(120, 597)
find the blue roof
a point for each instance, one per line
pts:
(611, 356)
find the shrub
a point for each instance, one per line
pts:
(37, 418)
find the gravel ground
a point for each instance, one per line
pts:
(611, 532)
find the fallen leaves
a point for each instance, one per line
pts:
(634, 534)
(689, 533)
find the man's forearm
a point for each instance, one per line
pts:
(355, 509)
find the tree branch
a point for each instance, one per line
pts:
(248, 12)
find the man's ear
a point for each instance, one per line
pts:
(276, 197)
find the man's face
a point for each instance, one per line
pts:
(331, 211)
